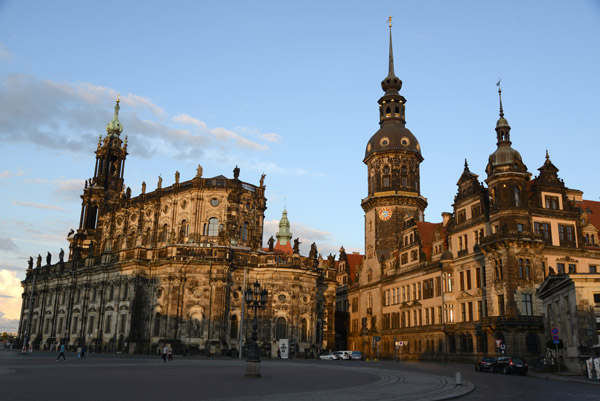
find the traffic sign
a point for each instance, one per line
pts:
(498, 342)
(555, 331)
(503, 347)
(555, 339)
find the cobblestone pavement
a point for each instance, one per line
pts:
(102, 377)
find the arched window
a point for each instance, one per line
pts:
(156, 325)
(165, 233)
(304, 332)
(388, 111)
(234, 327)
(213, 227)
(280, 328)
(517, 197)
(397, 110)
(244, 231)
(184, 229)
(527, 269)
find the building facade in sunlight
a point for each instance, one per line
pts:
(466, 286)
(170, 267)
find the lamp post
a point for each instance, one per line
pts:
(255, 299)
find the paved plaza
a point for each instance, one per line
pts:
(115, 377)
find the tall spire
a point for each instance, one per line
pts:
(502, 127)
(391, 84)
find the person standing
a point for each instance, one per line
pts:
(165, 350)
(170, 355)
(62, 353)
(78, 352)
(83, 352)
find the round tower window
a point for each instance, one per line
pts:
(405, 141)
(214, 202)
(384, 141)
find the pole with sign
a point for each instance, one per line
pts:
(556, 341)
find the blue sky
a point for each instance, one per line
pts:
(288, 89)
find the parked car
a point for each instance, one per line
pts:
(510, 364)
(341, 355)
(485, 363)
(356, 356)
(328, 356)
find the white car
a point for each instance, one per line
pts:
(328, 356)
(341, 355)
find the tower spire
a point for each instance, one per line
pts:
(391, 66)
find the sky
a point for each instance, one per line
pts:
(288, 89)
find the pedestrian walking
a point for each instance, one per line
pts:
(30, 347)
(78, 352)
(164, 353)
(170, 355)
(83, 349)
(62, 353)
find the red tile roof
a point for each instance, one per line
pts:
(594, 207)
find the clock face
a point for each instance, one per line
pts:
(385, 213)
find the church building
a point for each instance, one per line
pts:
(170, 266)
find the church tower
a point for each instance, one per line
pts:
(393, 157)
(104, 189)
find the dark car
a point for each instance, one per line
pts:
(509, 364)
(485, 363)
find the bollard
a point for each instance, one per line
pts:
(459, 381)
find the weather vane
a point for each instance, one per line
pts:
(389, 21)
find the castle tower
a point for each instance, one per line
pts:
(393, 156)
(104, 189)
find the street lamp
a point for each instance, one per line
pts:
(255, 299)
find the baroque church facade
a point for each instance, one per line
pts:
(170, 267)
(466, 286)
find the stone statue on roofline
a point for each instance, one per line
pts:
(271, 243)
(297, 246)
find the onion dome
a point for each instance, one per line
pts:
(115, 127)
(505, 157)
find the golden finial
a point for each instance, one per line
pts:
(390, 21)
(118, 97)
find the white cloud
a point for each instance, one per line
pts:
(69, 116)
(10, 294)
(6, 244)
(4, 53)
(5, 174)
(40, 206)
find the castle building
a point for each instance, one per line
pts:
(466, 286)
(170, 267)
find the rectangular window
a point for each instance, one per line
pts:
(462, 281)
(386, 181)
(593, 269)
(572, 268)
(501, 311)
(475, 211)
(468, 275)
(551, 202)
(461, 216)
(477, 277)
(91, 325)
(527, 304)
(480, 310)
(60, 324)
(438, 286)
(470, 311)
(560, 267)
(74, 329)
(108, 324)
(463, 312)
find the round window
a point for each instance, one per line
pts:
(214, 202)
(405, 141)
(384, 141)
(369, 147)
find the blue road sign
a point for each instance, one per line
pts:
(554, 330)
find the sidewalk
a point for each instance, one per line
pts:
(565, 376)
